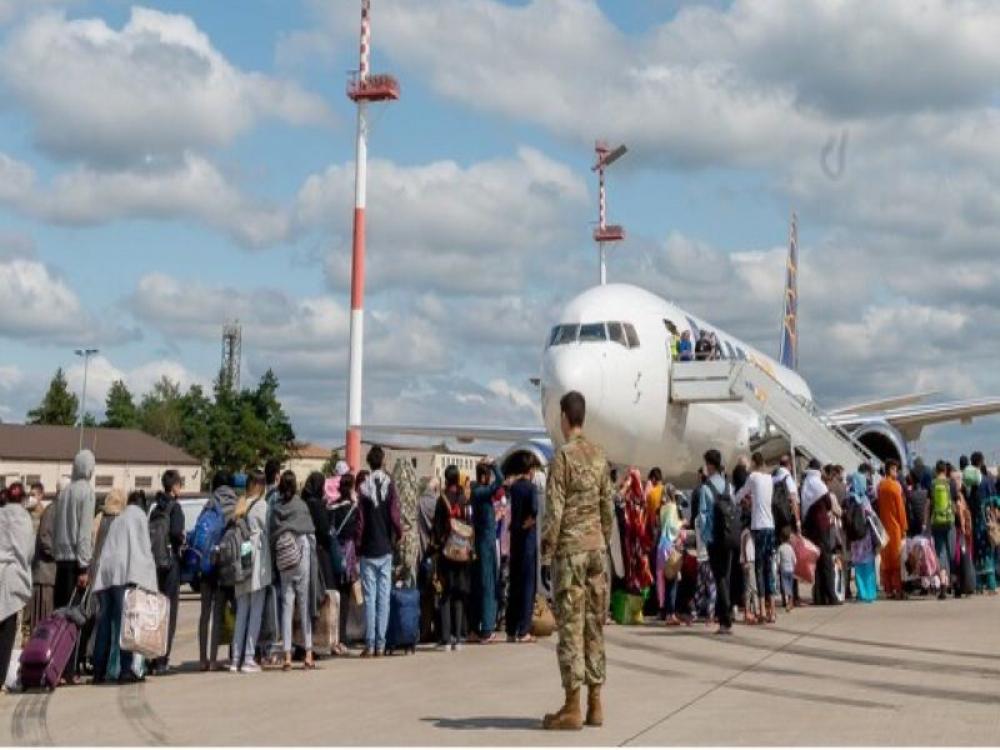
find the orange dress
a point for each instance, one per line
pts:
(892, 513)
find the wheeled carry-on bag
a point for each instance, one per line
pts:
(51, 647)
(403, 633)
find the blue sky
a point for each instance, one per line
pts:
(191, 161)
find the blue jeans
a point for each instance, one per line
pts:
(763, 542)
(944, 546)
(376, 582)
(249, 609)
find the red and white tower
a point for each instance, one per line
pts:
(604, 232)
(362, 89)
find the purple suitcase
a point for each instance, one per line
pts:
(44, 659)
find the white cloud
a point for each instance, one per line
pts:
(192, 188)
(442, 225)
(155, 88)
(41, 307)
(102, 372)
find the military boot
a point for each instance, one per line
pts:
(567, 717)
(595, 711)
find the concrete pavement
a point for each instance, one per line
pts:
(915, 673)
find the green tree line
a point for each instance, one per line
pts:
(235, 430)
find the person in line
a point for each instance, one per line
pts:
(941, 519)
(523, 555)
(489, 481)
(214, 596)
(314, 496)
(167, 517)
(344, 522)
(818, 527)
(73, 539)
(786, 569)
(17, 542)
(270, 622)
(892, 512)
(43, 566)
(720, 556)
(758, 493)
(377, 534)
(685, 348)
(576, 532)
(251, 592)
(964, 545)
(786, 507)
(454, 578)
(670, 529)
(862, 552)
(917, 501)
(407, 550)
(292, 536)
(752, 611)
(426, 507)
(983, 508)
(126, 559)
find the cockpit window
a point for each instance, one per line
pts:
(593, 332)
(631, 335)
(554, 336)
(617, 334)
(742, 354)
(567, 334)
(730, 350)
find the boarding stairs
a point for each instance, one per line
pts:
(745, 381)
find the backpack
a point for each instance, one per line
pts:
(207, 533)
(287, 553)
(159, 535)
(942, 512)
(855, 523)
(727, 519)
(234, 555)
(781, 506)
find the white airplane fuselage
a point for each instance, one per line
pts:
(626, 383)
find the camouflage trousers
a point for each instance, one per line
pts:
(580, 584)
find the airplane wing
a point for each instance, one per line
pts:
(461, 433)
(883, 404)
(911, 420)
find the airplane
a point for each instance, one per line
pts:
(613, 344)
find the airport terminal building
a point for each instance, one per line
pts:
(128, 459)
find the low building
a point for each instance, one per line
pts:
(427, 461)
(128, 459)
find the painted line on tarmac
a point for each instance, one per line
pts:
(29, 724)
(718, 686)
(137, 711)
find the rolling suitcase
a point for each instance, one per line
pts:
(403, 633)
(47, 654)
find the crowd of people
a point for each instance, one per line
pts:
(298, 573)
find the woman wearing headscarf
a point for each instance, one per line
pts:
(892, 512)
(292, 528)
(425, 578)
(16, 550)
(314, 496)
(343, 522)
(404, 477)
(126, 559)
(817, 525)
(670, 530)
(252, 591)
(43, 569)
(453, 577)
(489, 480)
(638, 574)
(113, 506)
(863, 551)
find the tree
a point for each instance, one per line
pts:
(278, 432)
(120, 411)
(89, 420)
(59, 406)
(160, 413)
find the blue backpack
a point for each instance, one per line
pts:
(207, 533)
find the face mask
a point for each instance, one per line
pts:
(30, 502)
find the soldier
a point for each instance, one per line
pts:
(575, 534)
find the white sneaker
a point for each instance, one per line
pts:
(234, 667)
(456, 647)
(251, 667)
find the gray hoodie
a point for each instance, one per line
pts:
(75, 514)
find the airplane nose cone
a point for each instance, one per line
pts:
(570, 368)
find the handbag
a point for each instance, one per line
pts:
(357, 593)
(543, 622)
(145, 621)
(672, 567)
(338, 553)
(879, 537)
(458, 548)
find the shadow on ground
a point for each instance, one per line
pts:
(486, 722)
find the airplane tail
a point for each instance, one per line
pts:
(788, 355)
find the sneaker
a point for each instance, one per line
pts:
(441, 647)
(367, 654)
(234, 667)
(456, 647)
(251, 667)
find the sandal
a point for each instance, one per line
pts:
(489, 640)
(307, 665)
(286, 667)
(529, 638)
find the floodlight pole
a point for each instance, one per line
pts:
(86, 354)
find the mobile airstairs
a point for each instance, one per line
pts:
(745, 381)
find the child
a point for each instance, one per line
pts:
(786, 566)
(751, 602)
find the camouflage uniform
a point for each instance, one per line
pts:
(575, 534)
(407, 552)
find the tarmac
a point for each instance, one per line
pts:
(892, 673)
